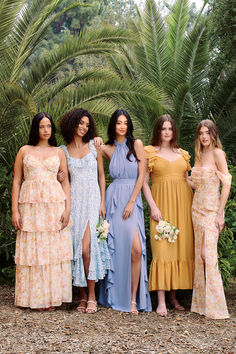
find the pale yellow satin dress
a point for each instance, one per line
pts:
(172, 263)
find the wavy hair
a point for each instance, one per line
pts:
(34, 130)
(213, 131)
(156, 134)
(111, 132)
(70, 121)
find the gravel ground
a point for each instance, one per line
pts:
(109, 331)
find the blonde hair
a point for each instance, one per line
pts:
(213, 131)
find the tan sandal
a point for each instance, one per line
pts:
(91, 310)
(82, 308)
(134, 312)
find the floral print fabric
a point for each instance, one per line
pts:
(208, 292)
(43, 250)
(85, 204)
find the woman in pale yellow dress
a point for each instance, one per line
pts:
(170, 198)
(208, 220)
(41, 214)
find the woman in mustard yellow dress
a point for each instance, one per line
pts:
(170, 198)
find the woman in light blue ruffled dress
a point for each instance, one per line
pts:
(90, 257)
(125, 287)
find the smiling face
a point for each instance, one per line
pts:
(83, 126)
(205, 137)
(121, 126)
(166, 132)
(45, 129)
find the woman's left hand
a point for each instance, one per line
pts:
(65, 218)
(61, 176)
(128, 210)
(220, 221)
(102, 210)
(98, 142)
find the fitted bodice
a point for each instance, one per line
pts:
(207, 184)
(161, 169)
(120, 167)
(35, 169)
(83, 170)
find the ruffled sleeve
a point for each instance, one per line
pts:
(92, 148)
(225, 179)
(151, 156)
(187, 158)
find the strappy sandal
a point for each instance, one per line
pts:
(82, 308)
(176, 305)
(91, 310)
(134, 312)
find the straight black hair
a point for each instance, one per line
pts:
(111, 132)
(34, 130)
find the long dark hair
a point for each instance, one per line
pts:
(156, 135)
(70, 122)
(34, 130)
(111, 132)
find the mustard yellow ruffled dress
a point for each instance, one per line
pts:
(172, 264)
(43, 251)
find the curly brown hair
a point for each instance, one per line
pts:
(70, 121)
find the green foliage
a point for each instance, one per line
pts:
(7, 232)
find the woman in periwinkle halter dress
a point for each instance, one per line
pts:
(125, 287)
(209, 171)
(90, 257)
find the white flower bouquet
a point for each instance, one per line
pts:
(166, 230)
(102, 229)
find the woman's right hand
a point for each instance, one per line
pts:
(16, 220)
(156, 214)
(98, 142)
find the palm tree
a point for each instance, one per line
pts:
(27, 89)
(168, 58)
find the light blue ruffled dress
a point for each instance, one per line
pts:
(115, 289)
(85, 204)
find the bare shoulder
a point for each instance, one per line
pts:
(24, 150)
(61, 152)
(218, 154)
(138, 144)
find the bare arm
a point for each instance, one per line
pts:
(102, 183)
(155, 212)
(138, 145)
(16, 185)
(189, 180)
(221, 164)
(66, 187)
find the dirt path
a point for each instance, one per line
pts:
(109, 331)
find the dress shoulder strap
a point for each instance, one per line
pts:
(92, 148)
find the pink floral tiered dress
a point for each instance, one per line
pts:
(43, 251)
(208, 292)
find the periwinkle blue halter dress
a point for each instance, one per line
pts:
(115, 289)
(85, 204)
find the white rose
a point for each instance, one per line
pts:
(175, 237)
(161, 223)
(168, 229)
(156, 237)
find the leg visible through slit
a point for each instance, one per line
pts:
(135, 270)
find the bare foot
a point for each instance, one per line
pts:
(82, 305)
(175, 303)
(134, 310)
(161, 310)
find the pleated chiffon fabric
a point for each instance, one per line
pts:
(208, 292)
(172, 263)
(115, 289)
(43, 251)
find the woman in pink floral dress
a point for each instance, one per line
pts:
(208, 220)
(41, 214)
